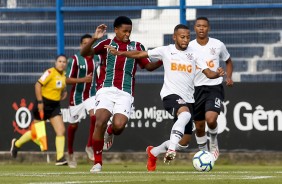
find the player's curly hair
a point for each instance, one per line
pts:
(122, 20)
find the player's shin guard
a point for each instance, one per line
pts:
(181, 148)
(91, 130)
(213, 143)
(213, 134)
(98, 151)
(202, 142)
(178, 129)
(71, 134)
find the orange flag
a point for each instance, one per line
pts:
(38, 135)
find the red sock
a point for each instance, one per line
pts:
(71, 132)
(110, 129)
(98, 150)
(91, 130)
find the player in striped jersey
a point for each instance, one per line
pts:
(81, 75)
(115, 93)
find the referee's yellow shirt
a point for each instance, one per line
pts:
(53, 83)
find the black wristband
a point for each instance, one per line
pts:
(39, 101)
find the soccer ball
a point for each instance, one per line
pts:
(203, 161)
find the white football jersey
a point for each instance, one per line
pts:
(179, 71)
(211, 54)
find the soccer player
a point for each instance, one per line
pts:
(209, 93)
(49, 91)
(179, 62)
(115, 94)
(81, 75)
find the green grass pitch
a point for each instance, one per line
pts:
(135, 173)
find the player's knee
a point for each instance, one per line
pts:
(118, 128)
(100, 125)
(185, 116)
(211, 118)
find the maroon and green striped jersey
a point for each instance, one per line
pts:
(79, 67)
(119, 71)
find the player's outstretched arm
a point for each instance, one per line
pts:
(153, 65)
(212, 75)
(136, 54)
(99, 33)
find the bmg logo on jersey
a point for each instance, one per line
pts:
(181, 67)
(23, 117)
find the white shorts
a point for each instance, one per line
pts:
(79, 112)
(114, 100)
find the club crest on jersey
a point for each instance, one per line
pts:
(213, 51)
(76, 117)
(130, 47)
(190, 56)
(82, 66)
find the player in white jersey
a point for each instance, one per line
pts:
(209, 93)
(177, 92)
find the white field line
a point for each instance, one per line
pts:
(136, 172)
(208, 176)
(256, 177)
(74, 182)
(181, 179)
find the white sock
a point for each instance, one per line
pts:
(202, 142)
(177, 130)
(213, 134)
(160, 149)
